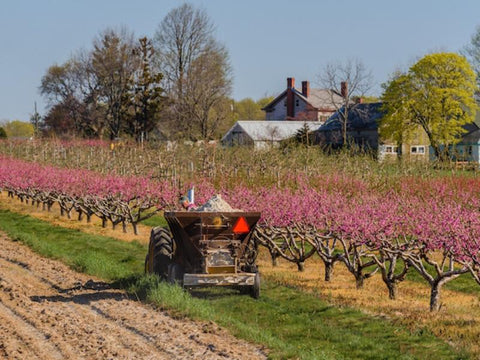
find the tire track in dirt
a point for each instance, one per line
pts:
(26, 335)
(47, 311)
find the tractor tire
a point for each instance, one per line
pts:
(175, 274)
(251, 252)
(160, 252)
(255, 288)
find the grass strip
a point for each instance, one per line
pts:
(290, 323)
(101, 256)
(155, 220)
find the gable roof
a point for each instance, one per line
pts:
(472, 136)
(360, 117)
(263, 130)
(324, 99)
(320, 99)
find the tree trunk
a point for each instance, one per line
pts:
(135, 228)
(392, 290)
(359, 281)
(328, 271)
(274, 257)
(301, 266)
(435, 296)
(80, 215)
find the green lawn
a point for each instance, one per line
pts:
(290, 323)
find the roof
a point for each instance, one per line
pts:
(271, 130)
(319, 99)
(360, 117)
(324, 99)
(472, 136)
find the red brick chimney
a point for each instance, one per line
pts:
(306, 88)
(344, 89)
(290, 107)
(290, 83)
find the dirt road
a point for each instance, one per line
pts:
(47, 311)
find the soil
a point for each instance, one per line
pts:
(48, 311)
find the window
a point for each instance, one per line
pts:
(285, 102)
(297, 102)
(417, 150)
(470, 150)
(390, 149)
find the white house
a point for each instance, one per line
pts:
(264, 134)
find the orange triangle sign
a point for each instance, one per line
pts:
(241, 226)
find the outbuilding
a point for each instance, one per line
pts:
(263, 134)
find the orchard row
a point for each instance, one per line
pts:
(429, 226)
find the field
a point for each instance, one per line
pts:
(300, 315)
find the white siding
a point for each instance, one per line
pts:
(279, 112)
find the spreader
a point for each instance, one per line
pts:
(206, 249)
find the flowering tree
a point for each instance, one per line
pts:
(430, 226)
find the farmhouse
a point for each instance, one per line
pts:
(362, 127)
(307, 105)
(467, 150)
(362, 131)
(263, 134)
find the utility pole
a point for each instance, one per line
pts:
(35, 120)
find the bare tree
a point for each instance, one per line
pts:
(182, 36)
(93, 115)
(351, 80)
(72, 92)
(60, 86)
(197, 72)
(472, 53)
(109, 89)
(206, 91)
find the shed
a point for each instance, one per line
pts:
(263, 134)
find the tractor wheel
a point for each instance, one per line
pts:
(175, 274)
(160, 251)
(251, 252)
(255, 288)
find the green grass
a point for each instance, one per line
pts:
(155, 220)
(101, 256)
(299, 325)
(290, 323)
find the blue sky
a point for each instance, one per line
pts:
(268, 40)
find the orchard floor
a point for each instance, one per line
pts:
(457, 322)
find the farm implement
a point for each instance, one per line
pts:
(206, 249)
